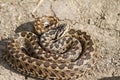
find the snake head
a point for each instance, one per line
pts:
(45, 23)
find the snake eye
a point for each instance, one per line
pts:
(46, 24)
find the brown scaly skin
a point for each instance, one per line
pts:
(45, 23)
(26, 54)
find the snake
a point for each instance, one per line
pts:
(51, 52)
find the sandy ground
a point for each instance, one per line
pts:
(100, 18)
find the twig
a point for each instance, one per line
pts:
(32, 13)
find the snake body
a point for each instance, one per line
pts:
(49, 53)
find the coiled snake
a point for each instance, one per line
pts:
(50, 53)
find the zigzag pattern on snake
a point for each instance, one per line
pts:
(50, 53)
